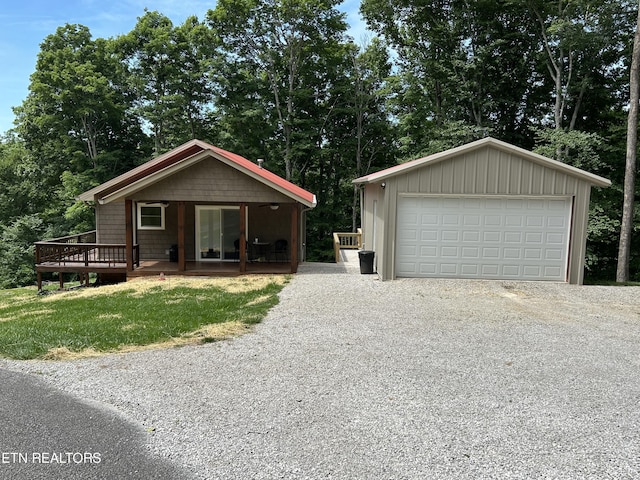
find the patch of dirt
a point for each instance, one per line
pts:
(207, 334)
(141, 286)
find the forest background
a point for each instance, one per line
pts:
(281, 80)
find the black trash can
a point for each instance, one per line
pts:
(366, 261)
(173, 253)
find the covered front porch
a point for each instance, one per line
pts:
(218, 237)
(192, 239)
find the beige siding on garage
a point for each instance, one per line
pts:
(486, 172)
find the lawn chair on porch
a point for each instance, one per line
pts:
(280, 249)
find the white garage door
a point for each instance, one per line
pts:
(483, 237)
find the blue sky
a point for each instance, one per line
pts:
(25, 23)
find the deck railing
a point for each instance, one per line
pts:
(346, 240)
(81, 249)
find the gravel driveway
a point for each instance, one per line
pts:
(353, 378)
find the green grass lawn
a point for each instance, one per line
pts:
(138, 314)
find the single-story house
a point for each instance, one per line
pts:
(486, 210)
(198, 208)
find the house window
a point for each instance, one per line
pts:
(151, 216)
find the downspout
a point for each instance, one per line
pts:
(303, 233)
(362, 216)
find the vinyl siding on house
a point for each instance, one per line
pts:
(110, 223)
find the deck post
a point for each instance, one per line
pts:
(294, 237)
(243, 238)
(128, 220)
(182, 260)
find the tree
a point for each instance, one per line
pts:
(463, 69)
(626, 227)
(581, 45)
(282, 41)
(73, 112)
(372, 131)
(150, 55)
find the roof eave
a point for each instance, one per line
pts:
(441, 156)
(183, 164)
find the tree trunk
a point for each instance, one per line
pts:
(626, 227)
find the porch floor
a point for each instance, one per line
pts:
(156, 267)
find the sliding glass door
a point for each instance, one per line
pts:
(217, 233)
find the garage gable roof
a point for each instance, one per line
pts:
(483, 143)
(182, 157)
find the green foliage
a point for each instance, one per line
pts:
(17, 250)
(579, 149)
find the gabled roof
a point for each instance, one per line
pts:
(485, 142)
(182, 157)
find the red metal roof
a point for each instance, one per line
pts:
(187, 151)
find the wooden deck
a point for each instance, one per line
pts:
(78, 254)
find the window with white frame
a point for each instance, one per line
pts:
(151, 216)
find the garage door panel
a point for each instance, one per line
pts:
(491, 237)
(489, 270)
(450, 220)
(513, 221)
(428, 269)
(472, 220)
(532, 271)
(492, 220)
(408, 219)
(533, 238)
(409, 268)
(450, 236)
(470, 253)
(470, 236)
(512, 253)
(555, 239)
(448, 269)
(532, 253)
(556, 222)
(449, 252)
(452, 202)
(408, 250)
(534, 220)
(511, 271)
(552, 254)
(503, 238)
(429, 251)
(512, 237)
(429, 220)
(471, 269)
(552, 271)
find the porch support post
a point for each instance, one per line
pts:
(295, 215)
(128, 220)
(243, 238)
(182, 260)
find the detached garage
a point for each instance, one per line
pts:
(483, 210)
